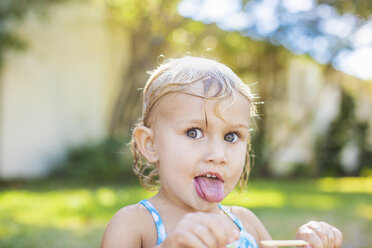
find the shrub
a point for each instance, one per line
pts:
(108, 161)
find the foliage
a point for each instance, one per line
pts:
(361, 8)
(148, 24)
(35, 215)
(344, 129)
(16, 10)
(108, 161)
(327, 31)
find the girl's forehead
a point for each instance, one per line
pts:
(187, 106)
(210, 88)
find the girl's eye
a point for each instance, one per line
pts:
(194, 133)
(231, 137)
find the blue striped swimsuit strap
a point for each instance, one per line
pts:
(157, 219)
(246, 240)
(232, 217)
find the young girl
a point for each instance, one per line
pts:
(192, 143)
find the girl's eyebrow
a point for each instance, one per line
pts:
(240, 126)
(194, 121)
(202, 122)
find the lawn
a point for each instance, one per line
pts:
(51, 214)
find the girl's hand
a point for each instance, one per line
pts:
(320, 235)
(201, 230)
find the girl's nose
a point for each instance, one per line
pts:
(216, 153)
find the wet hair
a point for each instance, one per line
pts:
(181, 76)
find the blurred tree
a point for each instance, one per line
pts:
(148, 23)
(361, 8)
(327, 31)
(345, 132)
(328, 148)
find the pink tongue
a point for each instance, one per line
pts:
(209, 189)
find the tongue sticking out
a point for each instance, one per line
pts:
(209, 189)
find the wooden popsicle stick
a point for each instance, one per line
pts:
(268, 243)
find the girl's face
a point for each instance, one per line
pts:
(201, 155)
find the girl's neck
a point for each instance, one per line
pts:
(172, 211)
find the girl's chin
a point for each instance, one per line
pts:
(205, 206)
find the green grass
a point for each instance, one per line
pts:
(55, 215)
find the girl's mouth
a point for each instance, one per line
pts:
(209, 186)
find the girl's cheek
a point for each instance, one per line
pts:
(240, 151)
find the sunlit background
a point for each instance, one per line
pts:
(70, 78)
(303, 27)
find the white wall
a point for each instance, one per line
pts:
(59, 92)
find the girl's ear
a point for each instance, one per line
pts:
(144, 138)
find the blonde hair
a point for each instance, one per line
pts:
(178, 76)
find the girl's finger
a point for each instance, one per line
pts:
(329, 233)
(232, 233)
(221, 227)
(204, 234)
(320, 232)
(215, 226)
(308, 234)
(188, 240)
(219, 230)
(338, 237)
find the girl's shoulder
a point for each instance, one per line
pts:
(250, 222)
(129, 227)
